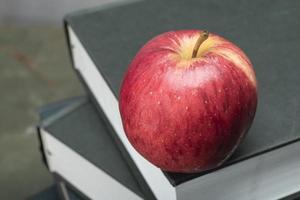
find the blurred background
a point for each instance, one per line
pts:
(34, 70)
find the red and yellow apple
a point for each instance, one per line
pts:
(187, 100)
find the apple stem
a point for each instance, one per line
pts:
(203, 36)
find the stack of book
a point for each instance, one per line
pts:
(80, 152)
(83, 140)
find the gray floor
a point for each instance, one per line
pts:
(34, 70)
(25, 12)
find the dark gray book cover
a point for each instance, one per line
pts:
(76, 123)
(52, 193)
(268, 31)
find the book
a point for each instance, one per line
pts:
(64, 187)
(52, 193)
(265, 165)
(78, 148)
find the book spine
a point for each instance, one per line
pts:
(42, 147)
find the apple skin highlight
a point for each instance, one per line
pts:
(187, 114)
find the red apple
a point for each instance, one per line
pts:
(187, 100)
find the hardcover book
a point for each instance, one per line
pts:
(266, 165)
(52, 193)
(79, 149)
(66, 190)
